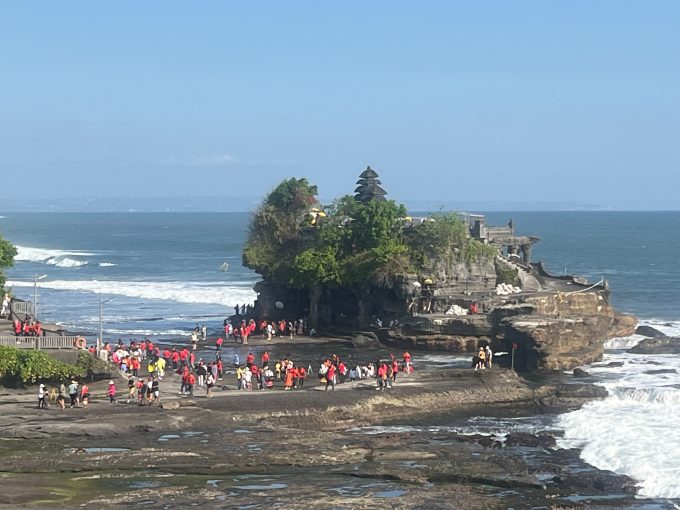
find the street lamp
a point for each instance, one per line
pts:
(101, 334)
(35, 294)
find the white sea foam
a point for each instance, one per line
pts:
(59, 258)
(148, 332)
(633, 431)
(107, 264)
(626, 342)
(181, 292)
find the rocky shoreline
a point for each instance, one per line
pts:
(352, 448)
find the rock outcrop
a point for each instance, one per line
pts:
(549, 330)
(665, 345)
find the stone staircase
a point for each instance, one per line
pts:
(528, 281)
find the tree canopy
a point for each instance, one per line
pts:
(294, 243)
(7, 254)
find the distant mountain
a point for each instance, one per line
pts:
(241, 204)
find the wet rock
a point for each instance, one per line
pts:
(366, 339)
(579, 372)
(649, 332)
(583, 391)
(482, 440)
(614, 364)
(661, 371)
(665, 345)
(531, 440)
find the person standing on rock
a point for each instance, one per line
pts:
(85, 395)
(209, 383)
(330, 377)
(42, 393)
(489, 356)
(481, 359)
(131, 388)
(61, 398)
(407, 362)
(111, 392)
(73, 393)
(156, 391)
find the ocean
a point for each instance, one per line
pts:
(159, 274)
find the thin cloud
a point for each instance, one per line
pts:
(221, 160)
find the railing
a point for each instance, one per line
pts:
(39, 342)
(22, 307)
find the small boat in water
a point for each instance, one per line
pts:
(224, 267)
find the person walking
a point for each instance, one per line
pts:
(73, 393)
(209, 383)
(61, 397)
(330, 377)
(42, 393)
(111, 392)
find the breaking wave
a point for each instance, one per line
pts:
(107, 264)
(181, 292)
(633, 431)
(58, 258)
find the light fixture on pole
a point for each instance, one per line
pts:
(35, 294)
(101, 313)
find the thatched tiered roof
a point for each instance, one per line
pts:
(369, 187)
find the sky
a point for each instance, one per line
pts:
(452, 102)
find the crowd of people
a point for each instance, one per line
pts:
(27, 327)
(241, 332)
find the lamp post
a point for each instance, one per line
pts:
(36, 278)
(101, 313)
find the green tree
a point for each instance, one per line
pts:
(7, 253)
(275, 232)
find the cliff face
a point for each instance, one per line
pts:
(550, 331)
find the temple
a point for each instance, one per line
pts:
(368, 188)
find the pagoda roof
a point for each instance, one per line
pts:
(373, 189)
(369, 172)
(368, 180)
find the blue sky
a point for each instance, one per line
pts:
(573, 101)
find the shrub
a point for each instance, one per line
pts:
(29, 366)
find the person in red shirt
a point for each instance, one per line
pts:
(135, 366)
(220, 369)
(218, 344)
(175, 359)
(290, 375)
(183, 355)
(407, 362)
(250, 359)
(382, 376)
(265, 358)
(167, 355)
(395, 370)
(330, 377)
(301, 374)
(191, 380)
(342, 370)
